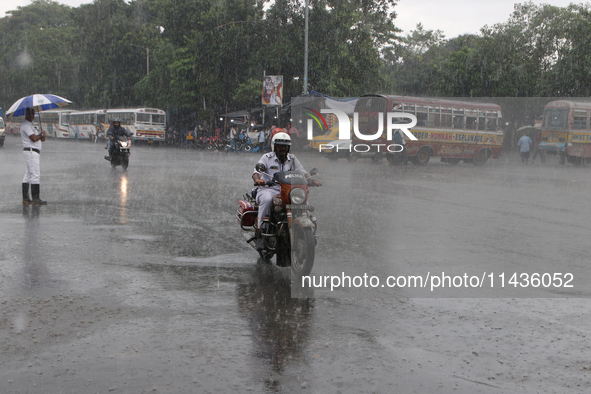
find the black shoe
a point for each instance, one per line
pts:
(108, 158)
(35, 194)
(26, 199)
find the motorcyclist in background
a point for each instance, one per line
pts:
(113, 132)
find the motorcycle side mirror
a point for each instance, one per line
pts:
(314, 171)
(260, 167)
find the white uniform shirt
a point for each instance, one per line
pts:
(273, 165)
(28, 129)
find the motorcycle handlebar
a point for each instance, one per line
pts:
(269, 183)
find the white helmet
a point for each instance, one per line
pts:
(280, 139)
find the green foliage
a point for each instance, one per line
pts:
(249, 93)
(205, 54)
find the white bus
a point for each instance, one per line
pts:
(146, 124)
(12, 124)
(55, 123)
(86, 124)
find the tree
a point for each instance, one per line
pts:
(37, 56)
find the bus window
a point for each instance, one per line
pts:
(422, 115)
(446, 119)
(481, 123)
(580, 120)
(75, 119)
(434, 119)
(65, 120)
(491, 124)
(101, 118)
(80, 119)
(555, 118)
(127, 118)
(143, 118)
(158, 119)
(49, 117)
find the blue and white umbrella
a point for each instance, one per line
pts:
(40, 102)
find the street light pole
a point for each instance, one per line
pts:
(306, 50)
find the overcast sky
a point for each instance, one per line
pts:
(453, 17)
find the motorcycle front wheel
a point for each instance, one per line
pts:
(302, 251)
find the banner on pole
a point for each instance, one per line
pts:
(273, 90)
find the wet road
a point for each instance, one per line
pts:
(140, 282)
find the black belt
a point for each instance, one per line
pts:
(33, 150)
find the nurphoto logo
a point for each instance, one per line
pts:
(345, 129)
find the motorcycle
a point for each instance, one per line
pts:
(242, 144)
(122, 152)
(216, 144)
(200, 143)
(290, 232)
(250, 147)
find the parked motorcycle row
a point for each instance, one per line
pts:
(222, 144)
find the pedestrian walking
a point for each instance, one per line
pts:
(32, 140)
(524, 144)
(537, 150)
(261, 140)
(232, 139)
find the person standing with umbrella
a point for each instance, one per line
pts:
(32, 139)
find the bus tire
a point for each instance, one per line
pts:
(481, 157)
(422, 157)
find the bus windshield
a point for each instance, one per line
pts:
(127, 118)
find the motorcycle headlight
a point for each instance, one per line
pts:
(277, 201)
(297, 196)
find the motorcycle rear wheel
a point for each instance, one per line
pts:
(302, 251)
